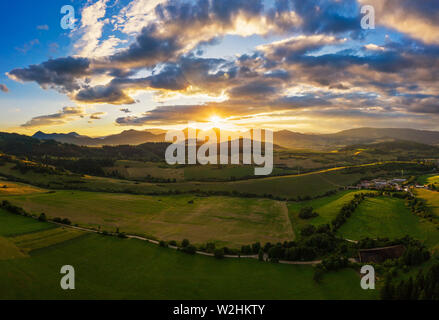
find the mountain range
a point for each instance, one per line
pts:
(284, 138)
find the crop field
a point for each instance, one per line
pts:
(42, 239)
(11, 225)
(130, 169)
(326, 207)
(429, 178)
(312, 184)
(113, 268)
(388, 217)
(75, 181)
(224, 220)
(13, 188)
(432, 198)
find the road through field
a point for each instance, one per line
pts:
(255, 256)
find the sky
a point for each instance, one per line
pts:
(305, 66)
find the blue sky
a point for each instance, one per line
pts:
(285, 64)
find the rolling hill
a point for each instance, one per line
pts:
(284, 138)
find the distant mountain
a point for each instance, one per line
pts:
(394, 146)
(71, 137)
(32, 148)
(283, 138)
(128, 137)
(354, 136)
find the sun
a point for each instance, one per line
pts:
(216, 122)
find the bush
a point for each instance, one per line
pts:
(261, 255)
(173, 243)
(246, 250)
(66, 221)
(185, 243)
(163, 244)
(42, 217)
(210, 247)
(219, 253)
(308, 230)
(256, 247)
(307, 213)
(189, 249)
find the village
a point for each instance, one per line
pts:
(398, 184)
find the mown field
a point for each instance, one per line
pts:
(326, 207)
(428, 178)
(432, 198)
(226, 221)
(388, 217)
(313, 184)
(112, 268)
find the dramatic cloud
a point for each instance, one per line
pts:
(419, 19)
(61, 73)
(3, 88)
(65, 115)
(315, 60)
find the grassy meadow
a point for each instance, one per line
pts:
(312, 184)
(388, 217)
(326, 207)
(113, 268)
(227, 221)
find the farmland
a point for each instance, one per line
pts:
(227, 221)
(113, 268)
(326, 207)
(388, 217)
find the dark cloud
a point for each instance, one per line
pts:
(61, 73)
(176, 114)
(104, 94)
(328, 16)
(149, 49)
(254, 90)
(417, 19)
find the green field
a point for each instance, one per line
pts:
(130, 169)
(11, 225)
(227, 221)
(432, 198)
(113, 268)
(312, 184)
(76, 181)
(388, 217)
(428, 178)
(326, 207)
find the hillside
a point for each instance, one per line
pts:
(353, 136)
(21, 145)
(130, 137)
(284, 138)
